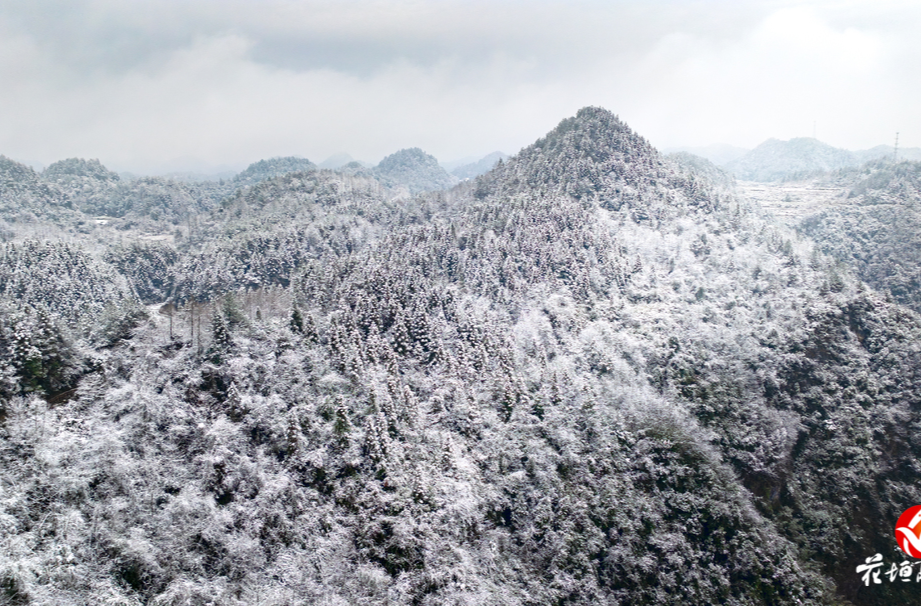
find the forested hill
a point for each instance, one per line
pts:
(77, 169)
(25, 198)
(595, 157)
(878, 230)
(74, 195)
(703, 168)
(69, 194)
(274, 167)
(413, 169)
(592, 376)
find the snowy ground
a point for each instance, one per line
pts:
(792, 202)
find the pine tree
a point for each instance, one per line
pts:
(221, 339)
(297, 320)
(231, 310)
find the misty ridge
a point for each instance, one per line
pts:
(587, 373)
(796, 159)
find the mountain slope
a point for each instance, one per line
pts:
(877, 231)
(719, 154)
(591, 376)
(25, 198)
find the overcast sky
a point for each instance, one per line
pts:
(149, 86)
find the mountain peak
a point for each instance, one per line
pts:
(597, 133)
(414, 169)
(336, 161)
(78, 167)
(775, 160)
(403, 157)
(14, 174)
(273, 167)
(591, 154)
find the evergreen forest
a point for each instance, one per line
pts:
(595, 374)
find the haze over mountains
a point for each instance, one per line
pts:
(594, 374)
(475, 169)
(772, 161)
(96, 190)
(414, 159)
(718, 153)
(776, 160)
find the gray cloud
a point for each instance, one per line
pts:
(355, 37)
(158, 84)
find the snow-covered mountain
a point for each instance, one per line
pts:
(414, 170)
(592, 375)
(776, 160)
(274, 167)
(876, 228)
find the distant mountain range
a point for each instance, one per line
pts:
(412, 169)
(776, 160)
(481, 166)
(337, 161)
